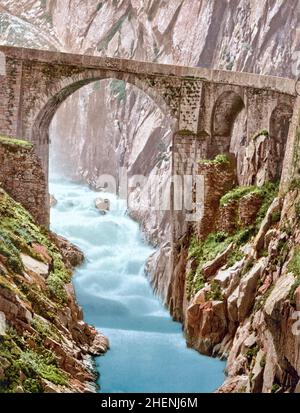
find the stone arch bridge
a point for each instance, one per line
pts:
(202, 105)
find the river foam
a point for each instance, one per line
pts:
(148, 351)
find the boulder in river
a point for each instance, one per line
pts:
(103, 205)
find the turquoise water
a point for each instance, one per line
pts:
(148, 351)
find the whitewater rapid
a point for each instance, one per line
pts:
(148, 351)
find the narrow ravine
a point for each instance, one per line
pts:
(148, 351)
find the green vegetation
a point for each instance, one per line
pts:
(297, 210)
(276, 388)
(294, 184)
(6, 140)
(118, 89)
(276, 217)
(237, 194)
(236, 256)
(25, 358)
(216, 243)
(215, 293)
(42, 366)
(263, 361)
(185, 132)
(262, 132)
(251, 353)
(207, 250)
(221, 159)
(16, 357)
(267, 192)
(17, 233)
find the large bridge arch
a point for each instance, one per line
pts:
(47, 104)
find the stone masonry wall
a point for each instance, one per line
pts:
(22, 176)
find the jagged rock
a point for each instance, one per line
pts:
(232, 305)
(258, 372)
(13, 307)
(70, 253)
(240, 336)
(278, 295)
(218, 179)
(42, 251)
(103, 205)
(100, 344)
(259, 242)
(52, 388)
(34, 266)
(53, 201)
(237, 384)
(297, 298)
(210, 269)
(206, 323)
(229, 278)
(157, 270)
(247, 289)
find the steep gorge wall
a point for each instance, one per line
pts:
(45, 346)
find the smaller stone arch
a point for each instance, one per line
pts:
(225, 112)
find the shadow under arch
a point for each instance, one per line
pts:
(225, 112)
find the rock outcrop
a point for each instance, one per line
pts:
(45, 346)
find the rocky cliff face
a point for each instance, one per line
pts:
(241, 289)
(45, 346)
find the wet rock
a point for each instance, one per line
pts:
(103, 205)
(71, 254)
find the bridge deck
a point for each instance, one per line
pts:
(282, 85)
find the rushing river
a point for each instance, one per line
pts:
(148, 351)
